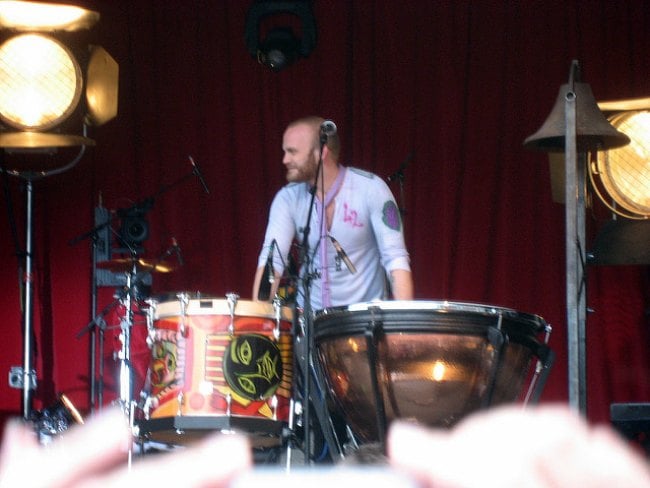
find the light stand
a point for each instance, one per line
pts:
(574, 194)
(575, 126)
(26, 376)
(29, 374)
(44, 90)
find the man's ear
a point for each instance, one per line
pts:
(326, 152)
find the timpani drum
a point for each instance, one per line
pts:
(218, 364)
(430, 361)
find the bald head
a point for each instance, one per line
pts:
(314, 124)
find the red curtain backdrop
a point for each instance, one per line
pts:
(456, 85)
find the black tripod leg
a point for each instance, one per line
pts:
(318, 407)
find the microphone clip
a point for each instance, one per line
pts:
(342, 256)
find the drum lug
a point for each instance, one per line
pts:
(232, 304)
(184, 300)
(180, 398)
(151, 311)
(146, 408)
(301, 326)
(274, 406)
(297, 410)
(277, 308)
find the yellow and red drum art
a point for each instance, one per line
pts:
(220, 364)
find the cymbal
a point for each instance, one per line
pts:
(125, 265)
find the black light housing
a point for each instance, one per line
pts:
(280, 47)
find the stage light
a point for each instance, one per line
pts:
(43, 84)
(50, 92)
(280, 47)
(625, 172)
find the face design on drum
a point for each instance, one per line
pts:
(163, 364)
(253, 366)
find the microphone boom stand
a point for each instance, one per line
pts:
(306, 264)
(305, 261)
(96, 387)
(399, 176)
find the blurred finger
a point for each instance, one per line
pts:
(211, 463)
(93, 447)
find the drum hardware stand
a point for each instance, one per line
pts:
(496, 338)
(101, 235)
(98, 326)
(545, 360)
(317, 405)
(372, 333)
(126, 371)
(126, 324)
(294, 409)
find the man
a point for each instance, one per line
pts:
(354, 215)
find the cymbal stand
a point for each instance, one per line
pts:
(126, 368)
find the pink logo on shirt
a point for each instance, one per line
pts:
(351, 216)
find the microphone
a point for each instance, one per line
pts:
(197, 172)
(328, 128)
(341, 254)
(177, 250)
(399, 174)
(268, 277)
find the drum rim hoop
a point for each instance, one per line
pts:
(431, 305)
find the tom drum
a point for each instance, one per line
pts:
(218, 364)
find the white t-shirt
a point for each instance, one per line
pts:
(366, 223)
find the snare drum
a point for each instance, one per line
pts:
(218, 364)
(433, 362)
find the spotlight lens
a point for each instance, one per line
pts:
(40, 82)
(279, 49)
(625, 171)
(276, 59)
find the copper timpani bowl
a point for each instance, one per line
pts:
(430, 361)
